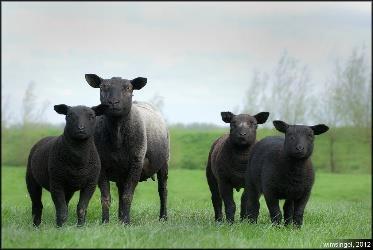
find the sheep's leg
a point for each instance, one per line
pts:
(58, 197)
(299, 206)
(244, 205)
(162, 176)
(35, 191)
(288, 211)
(129, 185)
(226, 191)
(253, 203)
(120, 194)
(104, 186)
(274, 209)
(215, 194)
(84, 198)
(68, 196)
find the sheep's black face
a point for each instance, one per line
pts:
(116, 92)
(243, 127)
(299, 138)
(299, 141)
(80, 120)
(243, 130)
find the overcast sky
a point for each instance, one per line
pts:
(200, 56)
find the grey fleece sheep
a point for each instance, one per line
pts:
(65, 164)
(133, 143)
(281, 168)
(227, 161)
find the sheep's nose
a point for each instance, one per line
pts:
(113, 102)
(81, 127)
(242, 134)
(299, 147)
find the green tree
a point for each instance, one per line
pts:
(346, 99)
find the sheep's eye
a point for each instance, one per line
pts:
(292, 137)
(104, 86)
(310, 135)
(91, 117)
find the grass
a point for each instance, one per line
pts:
(339, 208)
(190, 147)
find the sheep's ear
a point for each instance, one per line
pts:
(281, 126)
(261, 117)
(227, 116)
(93, 80)
(319, 129)
(61, 109)
(139, 82)
(100, 109)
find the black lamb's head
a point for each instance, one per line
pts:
(80, 120)
(243, 127)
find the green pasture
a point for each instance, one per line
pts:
(339, 208)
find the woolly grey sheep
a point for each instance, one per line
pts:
(133, 143)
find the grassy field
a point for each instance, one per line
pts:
(190, 147)
(339, 208)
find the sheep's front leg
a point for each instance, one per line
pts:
(274, 209)
(104, 185)
(128, 188)
(226, 191)
(253, 205)
(84, 198)
(58, 197)
(288, 211)
(299, 206)
(244, 205)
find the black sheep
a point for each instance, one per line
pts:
(281, 168)
(133, 143)
(65, 164)
(227, 161)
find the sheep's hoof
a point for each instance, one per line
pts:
(230, 222)
(163, 218)
(125, 221)
(252, 221)
(36, 222)
(81, 222)
(219, 219)
(297, 226)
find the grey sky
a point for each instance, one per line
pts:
(199, 56)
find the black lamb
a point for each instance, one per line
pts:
(227, 161)
(65, 164)
(281, 168)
